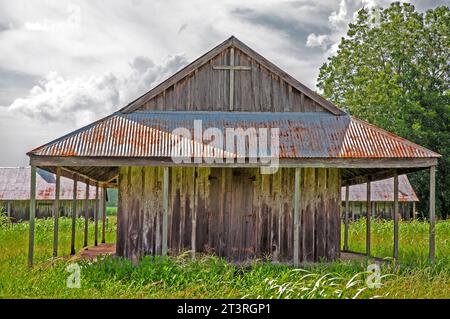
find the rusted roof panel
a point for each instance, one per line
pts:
(302, 135)
(15, 185)
(382, 191)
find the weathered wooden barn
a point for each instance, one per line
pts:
(382, 199)
(15, 194)
(228, 207)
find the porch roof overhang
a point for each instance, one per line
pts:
(316, 139)
(106, 170)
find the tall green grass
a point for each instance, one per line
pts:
(209, 277)
(413, 240)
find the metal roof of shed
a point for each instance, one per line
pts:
(302, 135)
(15, 185)
(382, 191)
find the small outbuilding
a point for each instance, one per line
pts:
(233, 156)
(15, 194)
(382, 199)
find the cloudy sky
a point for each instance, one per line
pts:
(64, 63)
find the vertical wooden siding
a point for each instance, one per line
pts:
(239, 213)
(381, 210)
(256, 90)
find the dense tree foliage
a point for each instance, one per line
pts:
(392, 69)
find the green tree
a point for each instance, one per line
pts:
(392, 69)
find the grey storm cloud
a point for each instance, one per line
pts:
(15, 83)
(5, 26)
(290, 19)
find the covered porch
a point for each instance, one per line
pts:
(349, 174)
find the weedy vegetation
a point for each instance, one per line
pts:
(210, 277)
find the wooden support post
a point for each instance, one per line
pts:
(32, 215)
(86, 215)
(74, 214)
(432, 211)
(297, 215)
(104, 194)
(56, 212)
(414, 216)
(368, 219)
(395, 214)
(8, 212)
(165, 203)
(347, 196)
(96, 211)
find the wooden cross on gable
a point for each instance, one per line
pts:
(232, 68)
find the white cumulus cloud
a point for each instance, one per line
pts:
(314, 40)
(81, 100)
(339, 19)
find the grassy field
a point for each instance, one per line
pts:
(209, 277)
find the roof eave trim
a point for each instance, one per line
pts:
(388, 163)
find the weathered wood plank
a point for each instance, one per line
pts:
(322, 205)
(174, 222)
(165, 204)
(194, 214)
(308, 215)
(133, 226)
(297, 208)
(334, 188)
(148, 232)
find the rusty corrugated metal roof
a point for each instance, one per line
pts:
(15, 185)
(302, 135)
(382, 191)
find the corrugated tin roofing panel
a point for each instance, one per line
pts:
(15, 185)
(302, 135)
